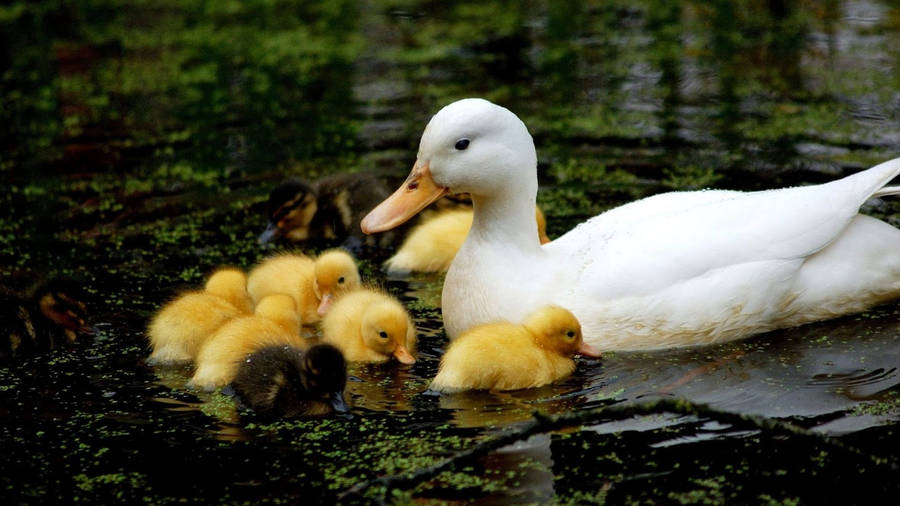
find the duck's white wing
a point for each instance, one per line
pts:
(649, 245)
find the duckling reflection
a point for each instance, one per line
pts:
(327, 211)
(312, 283)
(283, 381)
(385, 389)
(482, 408)
(49, 315)
(180, 328)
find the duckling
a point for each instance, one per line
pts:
(370, 326)
(336, 273)
(313, 283)
(47, 316)
(431, 245)
(180, 328)
(327, 211)
(290, 209)
(283, 381)
(507, 356)
(274, 322)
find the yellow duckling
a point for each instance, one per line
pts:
(431, 245)
(274, 322)
(370, 326)
(313, 283)
(506, 356)
(181, 326)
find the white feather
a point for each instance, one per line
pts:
(674, 269)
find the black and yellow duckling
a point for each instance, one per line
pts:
(284, 381)
(325, 212)
(50, 315)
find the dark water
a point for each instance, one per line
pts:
(139, 141)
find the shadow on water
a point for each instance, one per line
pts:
(138, 142)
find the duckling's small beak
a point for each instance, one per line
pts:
(403, 355)
(327, 301)
(271, 233)
(338, 403)
(415, 194)
(588, 351)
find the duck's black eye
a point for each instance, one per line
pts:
(383, 334)
(570, 333)
(462, 144)
(341, 279)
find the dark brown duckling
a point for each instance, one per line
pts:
(50, 315)
(326, 212)
(283, 381)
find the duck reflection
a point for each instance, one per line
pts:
(821, 370)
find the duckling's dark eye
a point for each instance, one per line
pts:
(383, 334)
(462, 144)
(570, 334)
(341, 279)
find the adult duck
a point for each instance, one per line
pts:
(674, 269)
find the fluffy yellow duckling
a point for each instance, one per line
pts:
(431, 245)
(313, 283)
(506, 356)
(273, 322)
(370, 326)
(181, 326)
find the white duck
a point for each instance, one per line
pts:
(675, 269)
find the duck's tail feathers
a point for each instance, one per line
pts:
(871, 182)
(886, 191)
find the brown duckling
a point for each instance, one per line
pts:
(431, 245)
(49, 315)
(313, 283)
(273, 322)
(327, 211)
(508, 356)
(180, 328)
(370, 326)
(283, 381)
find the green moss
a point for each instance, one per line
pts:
(889, 404)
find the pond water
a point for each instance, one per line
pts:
(140, 140)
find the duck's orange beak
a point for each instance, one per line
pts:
(417, 191)
(588, 351)
(403, 355)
